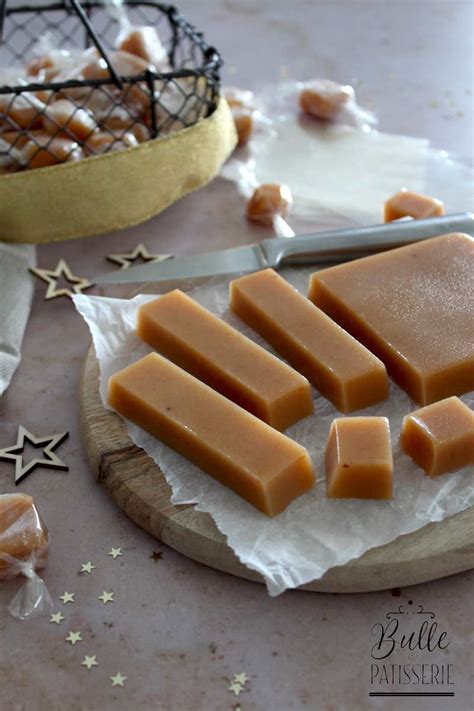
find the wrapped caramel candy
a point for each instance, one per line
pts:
(24, 543)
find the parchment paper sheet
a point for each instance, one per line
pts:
(314, 533)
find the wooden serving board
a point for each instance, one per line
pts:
(138, 486)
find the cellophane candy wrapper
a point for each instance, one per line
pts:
(24, 544)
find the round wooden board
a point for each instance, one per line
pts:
(138, 486)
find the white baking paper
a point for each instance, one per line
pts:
(314, 533)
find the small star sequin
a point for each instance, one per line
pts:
(74, 637)
(106, 597)
(67, 597)
(51, 277)
(118, 679)
(140, 252)
(89, 662)
(156, 556)
(87, 567)
(57, 618)
(115, 552)
(48, 459)
(241, 678)
(235, 688)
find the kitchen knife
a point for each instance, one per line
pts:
(336, 245)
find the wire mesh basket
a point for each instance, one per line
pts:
(116, 101)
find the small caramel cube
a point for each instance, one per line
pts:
(260, 464)
(22, 110)
(267, 202)
(23, 536)
(143, 42)
(243, 124)
(101, 142)
(409, 204)
(440, 437)
(358, 459)
(45, 151)
(325, 99)
(64, 114)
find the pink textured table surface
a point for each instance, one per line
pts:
(178, 630)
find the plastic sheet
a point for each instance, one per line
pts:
(24, 544)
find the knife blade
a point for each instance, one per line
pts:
(335, 245)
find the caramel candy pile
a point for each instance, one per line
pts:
(325, 99)
(409, 204)
(358, 459)
(269, 201)
(263, 466)
(440, 437)
(213, 351)
(240, 103)
(413, 307)
(338, 366)
(23, 536)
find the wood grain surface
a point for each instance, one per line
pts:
(138, 486)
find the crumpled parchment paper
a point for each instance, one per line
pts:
(314, 533)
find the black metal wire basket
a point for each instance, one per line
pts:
(134, 107)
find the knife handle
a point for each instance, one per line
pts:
(342, 245)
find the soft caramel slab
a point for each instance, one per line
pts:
(259, 463)
(409, 204)
(440, 437)
(340, 367)
(358, 459)
(414, 308)
(211, 350)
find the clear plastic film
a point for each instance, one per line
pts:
(339, 171)
(24, 544)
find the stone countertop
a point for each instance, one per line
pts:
(179, 630)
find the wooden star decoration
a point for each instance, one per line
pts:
(140, 252)
(106, 597)
(57, 618)
(67, 597)
(90, 662)
(51, 277)
(74, 637)
(49, 460)
(87, 567)
(115, 552)
(118, 679)
(156, 556)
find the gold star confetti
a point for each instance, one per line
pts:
(74, 637)
(90, 662)
(115, 552)
(241, 678)
(106, 597)
(57, 618)
(156, 556)
(236, 688)
(118, 679)
(87, 567)
(67, 597)
(47, 460)
(51, 277)
(140, 252)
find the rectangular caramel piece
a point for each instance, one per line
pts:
(340, 367)
(211, 350)
(440, 437)
(358, 459)
(259, 463)
(414, 308)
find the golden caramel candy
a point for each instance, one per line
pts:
(325, 99)
(22, 110)
(143, 42)
(243, 124)
(340, 367)
(414, 308)
(358, 459)
(45, 151)
(263, 466)
(409, 204)
(65, 114)
(267, 202)
(209, 348)
(440, 437)
(102, 142)
(23, 536)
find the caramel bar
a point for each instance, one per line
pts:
(260, 464)
(440, 437)
(340, 367)
(414, 308)
(211, 350)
